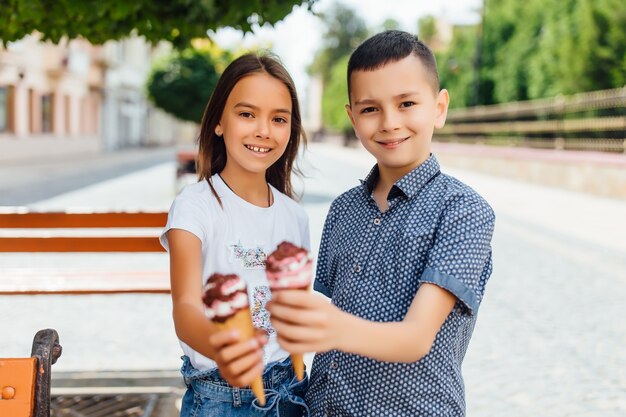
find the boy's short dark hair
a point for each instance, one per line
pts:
(392, 46)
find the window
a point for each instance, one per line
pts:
(4, 109)
(46, 113)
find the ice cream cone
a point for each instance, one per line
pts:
(242, 321)
(226, 300)
(297, 359)
(290, 267)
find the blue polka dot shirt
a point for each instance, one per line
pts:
(371, 264)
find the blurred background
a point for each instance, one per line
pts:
(99, 112)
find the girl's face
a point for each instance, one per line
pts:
(255, 123)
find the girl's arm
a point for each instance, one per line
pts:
(238, 362)
(307, 322)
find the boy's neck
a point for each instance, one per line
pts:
(387, 177)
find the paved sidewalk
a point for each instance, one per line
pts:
(549, 340)
(24, 182)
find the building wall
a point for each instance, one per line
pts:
(76, 97)
(46, 88)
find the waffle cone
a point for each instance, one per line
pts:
(242, 321)
(297, 359)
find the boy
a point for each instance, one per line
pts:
(404, 257)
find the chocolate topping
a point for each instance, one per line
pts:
(283, 251)
(224, 296)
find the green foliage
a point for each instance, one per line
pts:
(536, 49)
(182, 85)
(456, 66)
(335, 97)
(427, 29)
(391, 24)
(177, 21)
(345, 30)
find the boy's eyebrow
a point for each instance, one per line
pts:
(253, 107)
(366, 101)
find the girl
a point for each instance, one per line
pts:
(237, 213)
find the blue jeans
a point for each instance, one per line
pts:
(208, 394)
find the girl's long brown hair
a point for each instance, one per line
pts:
(212, 152)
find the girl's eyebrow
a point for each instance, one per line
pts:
(253, 107)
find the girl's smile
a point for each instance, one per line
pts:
(258, 149)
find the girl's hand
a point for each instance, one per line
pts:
(238, 362)
(306, 322)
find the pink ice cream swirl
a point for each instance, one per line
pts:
(289, 266)
(223, 296)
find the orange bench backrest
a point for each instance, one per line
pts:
(17, 387)
(36, 220)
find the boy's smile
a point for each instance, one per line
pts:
(394, 111)
(392, 143)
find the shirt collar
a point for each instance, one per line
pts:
(410, 184)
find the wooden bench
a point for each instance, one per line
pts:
(25, 382)
(94, 280)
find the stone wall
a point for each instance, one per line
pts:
(602, 174)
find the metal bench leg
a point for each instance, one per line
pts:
(46, 349)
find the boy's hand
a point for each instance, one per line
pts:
(305, 321)
(238, 362)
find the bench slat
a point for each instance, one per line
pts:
(33, 281)
(19, 374)
(81, 244)
(36, 220)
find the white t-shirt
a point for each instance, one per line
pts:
(237, 239)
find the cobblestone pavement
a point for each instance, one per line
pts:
(549, 340)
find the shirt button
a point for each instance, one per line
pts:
(334, 365)
(377, 221)
(357, 268)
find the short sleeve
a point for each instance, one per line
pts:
(323, 277)
(460, 259)
(186, 213)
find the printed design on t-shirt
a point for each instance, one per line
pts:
(260, 315)
(251, 258)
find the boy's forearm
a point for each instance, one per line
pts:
(383, 341)
(405, 341)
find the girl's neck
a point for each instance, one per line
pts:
(251, 187)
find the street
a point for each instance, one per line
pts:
(550, 336)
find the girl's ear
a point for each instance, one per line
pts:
(218, 130)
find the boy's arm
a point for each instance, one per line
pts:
(306, 322)
(238, 362)
(324, 272)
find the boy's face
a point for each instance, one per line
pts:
(394, 111)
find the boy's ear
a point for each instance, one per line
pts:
(443, 99)
(349, 111)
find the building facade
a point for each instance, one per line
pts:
(73, 97)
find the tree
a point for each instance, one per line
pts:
(427, 29)
(345, 30)
(334, 98)
(176, 21)
(456, 66)
(391, 24)
(182, 85)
